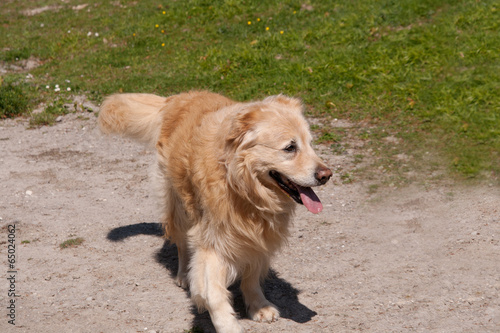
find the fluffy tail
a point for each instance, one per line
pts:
(137, 116)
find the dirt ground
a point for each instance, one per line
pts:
(415, 259)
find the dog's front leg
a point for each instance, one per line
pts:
(208, 277)
(258, 307)
(183, 256)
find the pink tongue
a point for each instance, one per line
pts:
(310, 199)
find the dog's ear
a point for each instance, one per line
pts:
(288, 102)
(239, 160)
(241, 133)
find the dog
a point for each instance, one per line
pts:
(229, 176)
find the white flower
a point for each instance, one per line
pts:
(68, 89)
(57, 86)
(96, 34)
(47, 87)
(57, 89)
(89, 34)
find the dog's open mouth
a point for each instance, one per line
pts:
(302, 195)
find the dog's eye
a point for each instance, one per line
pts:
(291, 148)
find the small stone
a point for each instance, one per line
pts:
(59, 119)
(28, 192)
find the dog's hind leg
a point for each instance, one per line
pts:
(175, 224)
(258, 307)
(209, 277)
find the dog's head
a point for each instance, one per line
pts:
(271, 160)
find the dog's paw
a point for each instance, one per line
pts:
(181, 281)
(228, 324)
(235, 328)
(267, 313)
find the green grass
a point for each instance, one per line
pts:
(73, 242)
(331, 135)
(49, 114)
(13, 100)
(424, 71)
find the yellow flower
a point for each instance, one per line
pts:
(267, 28)
(282, 32)
(249, 22)
(163, 31)
(164, 12)
(133, 34)
(258, 19)
(163, 44)
(156, 26)
(295, 12)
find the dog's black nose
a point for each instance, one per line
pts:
(322, 174)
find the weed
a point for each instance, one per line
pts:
(338, 148)
(73, 242)
(346, 178)
(358, 158)
(373, 188)
(42, 119)
(13, 100)
(49, 115)
(329, 136)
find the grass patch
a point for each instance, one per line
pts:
(346, 178)
(13, 100)
(16, 54)
(73, 242)
(373, 188)
(330, 136)
(49, 115)
(425, 71)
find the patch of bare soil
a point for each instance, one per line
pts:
(415, 259)
(22, 65)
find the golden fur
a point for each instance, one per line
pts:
(217, 162)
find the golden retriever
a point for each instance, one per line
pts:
(229, 175)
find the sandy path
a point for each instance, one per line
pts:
(424, 259)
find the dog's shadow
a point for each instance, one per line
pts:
(276, 289)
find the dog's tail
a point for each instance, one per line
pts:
(138, 116)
